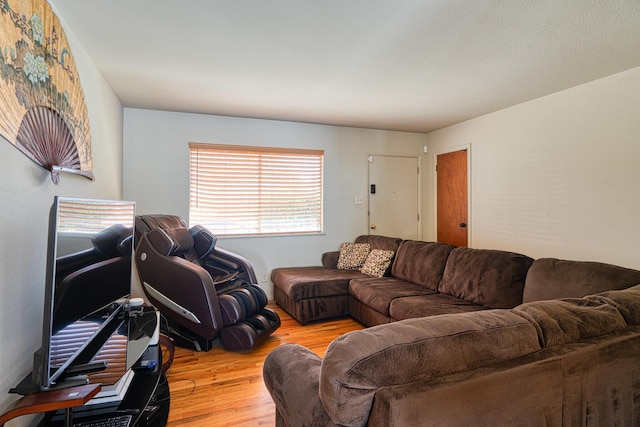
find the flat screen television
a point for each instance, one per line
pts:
(87, 289)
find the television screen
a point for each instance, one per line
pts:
(88, 282)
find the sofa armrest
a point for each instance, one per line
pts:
(551, 278)
(359, 363)
(291, 373)
(330, 260)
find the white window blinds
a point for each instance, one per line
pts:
(238, 190)
(91, 216)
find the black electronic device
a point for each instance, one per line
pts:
(88, 284)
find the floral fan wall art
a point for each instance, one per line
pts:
(43, 109)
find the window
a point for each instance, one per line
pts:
(237, 190)
(92, 216)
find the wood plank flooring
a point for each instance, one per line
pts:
(220, 388)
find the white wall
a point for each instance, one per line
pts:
(156, 174)
(557, 176)
(27, 193)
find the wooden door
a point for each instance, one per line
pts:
(394, 196)
(452, 198)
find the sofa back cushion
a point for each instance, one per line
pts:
(421, 262)
(627, 302)
(551, 278)
(356, 364)
(491, 278)
(380, 242)
(570, 320)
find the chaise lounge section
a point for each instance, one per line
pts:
(321, 292)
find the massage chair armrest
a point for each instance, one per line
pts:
(178, 285)
(221, 264)
(231, 261)
(291, 373)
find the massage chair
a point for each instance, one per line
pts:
(208, 295)
(88, 278)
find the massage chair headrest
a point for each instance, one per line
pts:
(113, 241)
(125, 247)
(146, 223)
(181, 239)
(171, 241)
(203, 241)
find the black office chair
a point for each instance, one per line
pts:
(206, 293)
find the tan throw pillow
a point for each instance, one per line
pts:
(377, 263)
(353, 255)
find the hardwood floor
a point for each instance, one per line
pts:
(220, 388)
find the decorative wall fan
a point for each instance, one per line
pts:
(43, 111)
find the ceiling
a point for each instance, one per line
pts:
(411, 65)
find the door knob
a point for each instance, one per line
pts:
(373, 226)
(463, 224)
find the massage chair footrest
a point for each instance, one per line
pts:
(246, 335)
(241, 303)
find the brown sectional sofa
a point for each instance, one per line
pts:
(573, 362)
(559, 346)
(425, 278)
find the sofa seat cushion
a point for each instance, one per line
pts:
(551, 278)
(311, 282)
(492, 278)
(421, 262)
(430, 305)
(357, 363)
(378, 292)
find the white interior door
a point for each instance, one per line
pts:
(394, 196)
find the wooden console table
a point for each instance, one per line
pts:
(44, 401)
